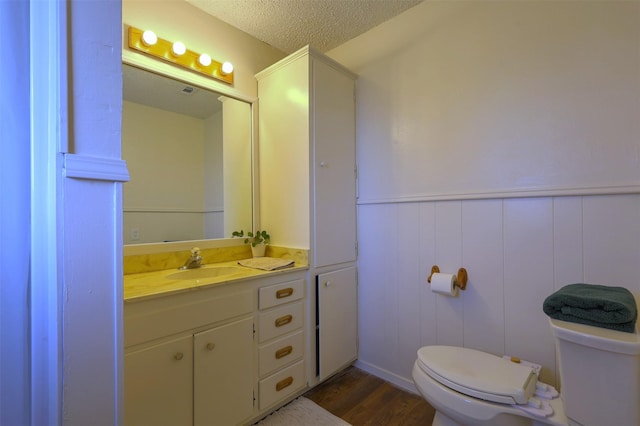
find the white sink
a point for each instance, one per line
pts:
(207, 272)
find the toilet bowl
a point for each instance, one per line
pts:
(599, 369)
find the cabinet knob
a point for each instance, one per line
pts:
(178, 356)
(323, 164)
(327, 284)
(211, 346)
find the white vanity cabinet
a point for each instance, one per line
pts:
(219, 355)
(189, 358)
(308, 185)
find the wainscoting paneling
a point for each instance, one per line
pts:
(516, 251)
(484, 255)
(428, 314)
(528, 277)
(568, 264)
(376, 298)
(408, 244)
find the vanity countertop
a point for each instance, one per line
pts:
(144, 285)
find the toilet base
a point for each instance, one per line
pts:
(442, 420)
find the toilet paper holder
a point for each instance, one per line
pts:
(461, 279)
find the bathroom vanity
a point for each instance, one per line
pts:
(221, 350)
(230, 348)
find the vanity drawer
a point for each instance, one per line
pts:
(280, 321)
(278, 294)
(150, 320)
(281, 352)
(280, 385)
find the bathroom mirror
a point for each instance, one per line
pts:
(189, 155)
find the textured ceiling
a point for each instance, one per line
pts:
(291, 24)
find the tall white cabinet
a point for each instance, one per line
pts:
(307, 170)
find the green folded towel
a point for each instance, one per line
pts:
(592, 304)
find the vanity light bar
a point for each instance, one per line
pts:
(177, 53)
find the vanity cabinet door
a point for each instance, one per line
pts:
(158, 384)
(223, 374)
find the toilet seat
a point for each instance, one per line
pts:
(478, 374)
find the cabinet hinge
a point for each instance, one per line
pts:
(355, 180)
(254, 331)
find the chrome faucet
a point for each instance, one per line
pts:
(195, 261)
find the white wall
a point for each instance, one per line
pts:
(496, 97)
(492, 100)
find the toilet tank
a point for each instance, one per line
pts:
(600, 374)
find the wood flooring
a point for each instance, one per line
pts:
(362, 399)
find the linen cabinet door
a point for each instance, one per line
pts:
(334, 175)
(337, 320)
(158, 384)
(223, 374)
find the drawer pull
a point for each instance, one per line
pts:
(211, 346)
(281, 353)
(284, 320)
(285, 292)
(284, 383)
(178, 356)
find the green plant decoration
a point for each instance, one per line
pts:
(260, 237)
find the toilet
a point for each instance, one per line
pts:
(599, 372)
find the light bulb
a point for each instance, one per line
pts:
(227, 68)
(178, 48)
(204, 60)
(149, 38)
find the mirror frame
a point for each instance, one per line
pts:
(167, 70)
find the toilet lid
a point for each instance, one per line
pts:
(478, 374)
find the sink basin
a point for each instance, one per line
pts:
(207, 272)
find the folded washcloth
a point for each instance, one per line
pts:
(596, 305)
(266, 263)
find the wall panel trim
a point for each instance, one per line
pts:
(530, 193)
(95, 168)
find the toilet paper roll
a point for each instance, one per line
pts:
(444, 284)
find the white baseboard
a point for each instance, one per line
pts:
(399, 381)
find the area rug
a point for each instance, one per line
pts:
(302, 412)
